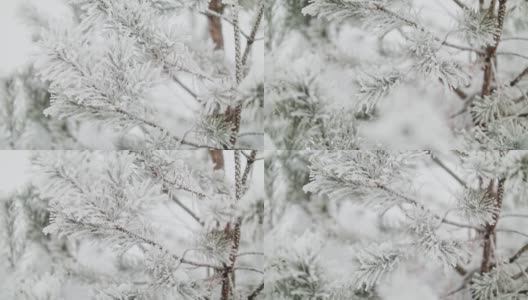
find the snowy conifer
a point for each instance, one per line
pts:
(140, 70)
(386, 64)
(371, 217)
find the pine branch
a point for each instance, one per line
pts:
(184, 188)
(514, 216)
(172, 184)
(131, 117)
(81, 73)
(421, 206)
(145, 240)
(141, 40)
(163, 130)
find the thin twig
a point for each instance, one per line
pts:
(251, 253)
(511, 54)
(251, 40)
(491, 228)
(211, 13)
(249, 269)
(515, 38)
(512, 231)
(184, 207)
(185, 87)
(449, 171)
(255, 293)
(184, 188)
(461, 4)
(144, 240)
(519, 77)
(513, 216)
(416, 203)
(518, 254)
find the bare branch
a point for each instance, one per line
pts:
(512, 231)
(461, 4)
(212, 13)
(251, 253)
(249, 269)
(184, 207)
(449, 171)
(251, 40)
(513, 216)
(256, 292)
(518, 254)
(519, 77)
(144, 240)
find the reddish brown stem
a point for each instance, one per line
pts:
(215, 24)
(492, 50)
(490, 232)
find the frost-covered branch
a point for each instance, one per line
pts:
(114, 200)
(144, 50)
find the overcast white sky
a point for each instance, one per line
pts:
(15, 35)
(15, 49)
(15, 38)
(14, 169)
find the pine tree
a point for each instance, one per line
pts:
(450, 61)
(369, 217)
(114, 67)
(164, 223)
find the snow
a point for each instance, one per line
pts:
(14, 170)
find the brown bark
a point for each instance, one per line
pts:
(492, 50)
(217, 156)
(490, 58)
(490, 239)
(215, 31)
(215, 24)
(218, 159)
